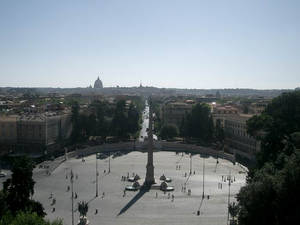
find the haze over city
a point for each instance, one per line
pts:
(165, 112)
(178, 44)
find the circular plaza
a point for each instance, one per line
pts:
(185, 205)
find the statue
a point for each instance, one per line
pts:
(83, 209)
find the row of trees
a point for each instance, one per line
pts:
(271, 195)
(197, 124)
(16, 204)
(104, 120)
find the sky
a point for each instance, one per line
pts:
(162, 43)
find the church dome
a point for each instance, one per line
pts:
(98, 83)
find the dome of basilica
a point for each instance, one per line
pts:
(98, 83)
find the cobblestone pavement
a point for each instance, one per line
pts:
(147, 209)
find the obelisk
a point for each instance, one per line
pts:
(149, 180)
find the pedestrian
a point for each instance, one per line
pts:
(207, 196)
(68, 188)
(194, 172)
(96, 211)
(104, 171)
(103, 194)
(53, 209)
(76, 195)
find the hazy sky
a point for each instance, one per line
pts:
(163, 43)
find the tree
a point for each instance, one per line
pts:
(169, 131)
(26, 218)
(75, 122)
(182, 128)
(219, 131)
(133, 119)
(199, 123)
(119, 122)
(271, 195)
(20, 187)
(275, 125)
(3, 205)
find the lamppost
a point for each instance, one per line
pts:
(190, 163)
(229, 184)
(97, 174)
(198, 212)
(203, 177)
(109, 162)
(71, 179)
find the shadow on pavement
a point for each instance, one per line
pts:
(200, 204)
(134, 199)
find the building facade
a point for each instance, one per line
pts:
(237, 140)
(221, 113)
(8, 133)
(174, 112)
(33, 132)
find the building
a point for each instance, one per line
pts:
(222, 112)
(174, 112)
(8, 133)
(259, 106)
(34, 132)
(237, 140)
(98, 83)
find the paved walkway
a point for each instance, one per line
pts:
(148, 209)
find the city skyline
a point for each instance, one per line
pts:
(165, 44)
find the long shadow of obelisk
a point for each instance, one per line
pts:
(140, 194)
